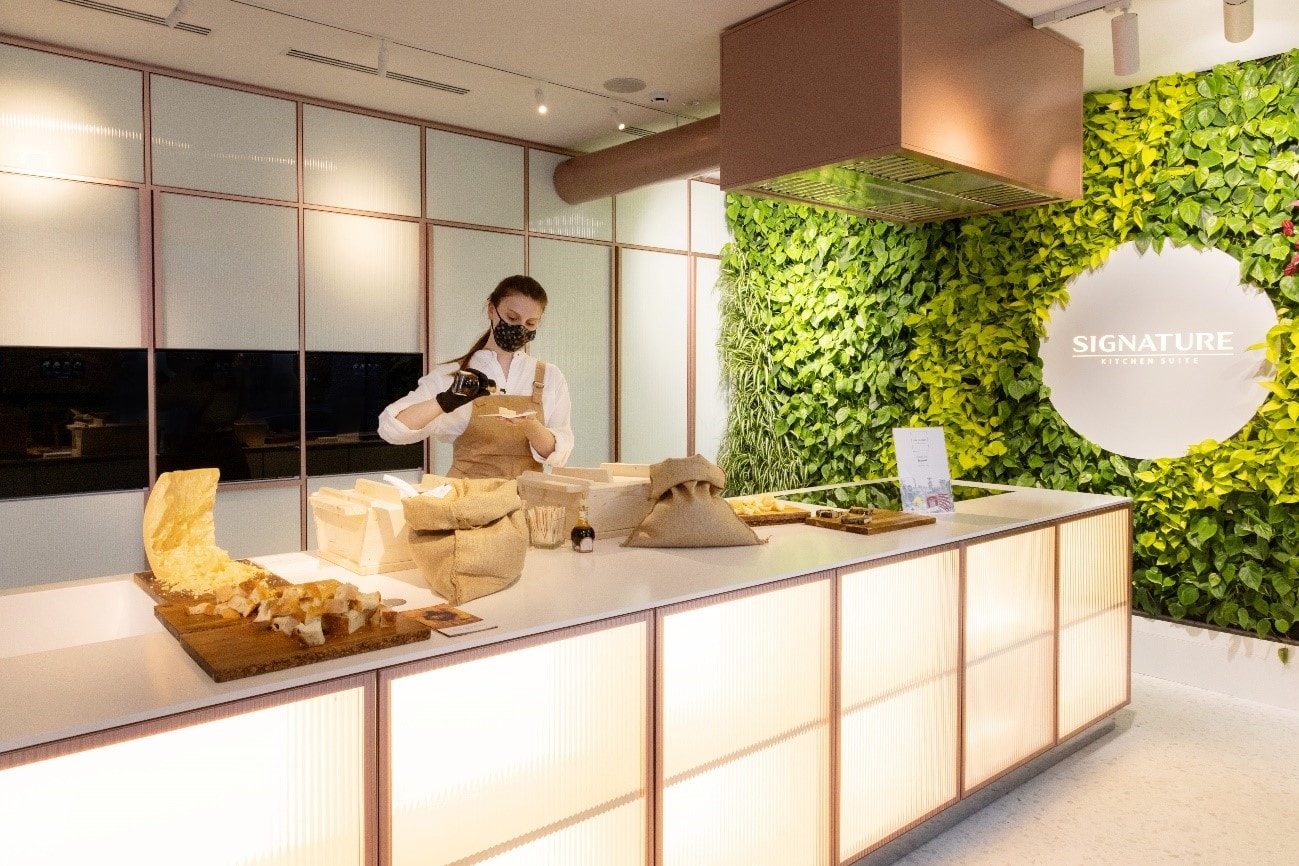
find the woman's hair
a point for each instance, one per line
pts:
(515, 285)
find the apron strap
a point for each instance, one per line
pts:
(539, 382)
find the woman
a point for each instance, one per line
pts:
(467, 410)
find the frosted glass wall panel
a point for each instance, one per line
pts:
(576, 335)
(42, 283)
(61, 115)
(652, 342)
(745, 729)
(710, 396)
(539, 758)
(229, 277)
(347, 482)
(363, 283)
(708, 231)
(897, 696)
(466, 266)
(1095, 588)
(299, 768)
(474, 180)
(34, 533)
(1009, 652)
(207, 137)
(359, 162)
(654, 216)
(548, 213)
(258, 522)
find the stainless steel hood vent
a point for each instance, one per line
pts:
(904, 110)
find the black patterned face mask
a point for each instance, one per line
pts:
(511, 338)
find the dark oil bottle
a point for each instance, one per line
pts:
(583, 535)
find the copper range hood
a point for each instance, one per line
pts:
(903, 110)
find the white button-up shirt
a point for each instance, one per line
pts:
(448, 426)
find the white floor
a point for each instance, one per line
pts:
(1187, 776)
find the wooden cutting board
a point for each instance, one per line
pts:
(881, 521)
(771, 518)
(230, 649)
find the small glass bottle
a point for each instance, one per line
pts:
(583, 535)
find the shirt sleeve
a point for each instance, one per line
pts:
(445, 427)
(558, 406)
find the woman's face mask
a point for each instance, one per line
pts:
(511, 338)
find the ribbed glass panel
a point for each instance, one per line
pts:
(549, 214)
(360, 162)
(652, 372)
(1009, 649)
(466, 265)
(363, 283)
(537, 755)
(34, 536)
(198, 144)
(50, 296)
(1094, 609)
(710, 396)
(654, 215)
(474, 180)
(229, 276)
(283, 785)
(708, 231)
(61, 115)
(259, 521)
(897, 696)
(745, 731)
(576, 334)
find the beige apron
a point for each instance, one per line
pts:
(490, 448)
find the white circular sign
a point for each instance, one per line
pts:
(1150, 356)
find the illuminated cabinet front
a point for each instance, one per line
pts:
(533, 752)
(898, 635)
(745, 728)
(277, 781)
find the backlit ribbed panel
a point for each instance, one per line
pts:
(745, 730)
(897, 745)
(283, 785)
(1095, 599)
(533, 756)
(1009, 652)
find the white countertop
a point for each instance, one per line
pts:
(134, 670)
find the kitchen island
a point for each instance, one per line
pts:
(802, 701)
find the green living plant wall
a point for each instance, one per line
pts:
(835, 330)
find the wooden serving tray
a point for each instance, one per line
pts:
(771, 518)
(882, 520)
(147, 582)
(230, 649)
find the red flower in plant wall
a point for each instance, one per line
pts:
(1292, 267)
(1287, 228)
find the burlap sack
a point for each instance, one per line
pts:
(687, 510)
(471, 542)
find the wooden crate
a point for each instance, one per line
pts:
(363, 530)
(617, 498)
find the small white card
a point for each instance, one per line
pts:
(467, 628)
(923, 472)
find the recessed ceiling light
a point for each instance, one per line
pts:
(624, 85)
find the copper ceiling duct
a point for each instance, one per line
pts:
(687, 151)
(904, 110)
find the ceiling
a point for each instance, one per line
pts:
(501, 50)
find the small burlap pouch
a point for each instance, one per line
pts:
(471, 542)
(688, 510)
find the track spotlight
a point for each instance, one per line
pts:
(616, 118)
(176, 14)
(1237, 19)
(382, 67)
(1123, 34)
(540, 96)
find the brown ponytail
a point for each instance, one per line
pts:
(515, 285)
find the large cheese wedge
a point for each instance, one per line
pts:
(180, 534)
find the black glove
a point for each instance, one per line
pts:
(466, 386)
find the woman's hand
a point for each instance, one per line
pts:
(541, 439)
